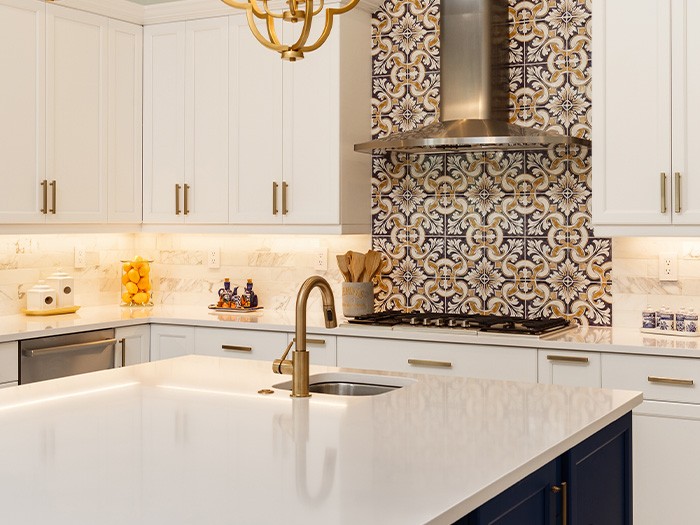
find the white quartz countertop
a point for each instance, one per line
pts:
(189, 440)
(596, 339)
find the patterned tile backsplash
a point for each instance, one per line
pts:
(489, 232)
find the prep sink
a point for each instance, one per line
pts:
(342, 384)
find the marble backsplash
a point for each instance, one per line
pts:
(278, 264)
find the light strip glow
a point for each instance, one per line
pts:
(62, 397)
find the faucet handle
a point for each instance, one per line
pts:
(282, 365)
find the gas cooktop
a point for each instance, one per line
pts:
(474, 322)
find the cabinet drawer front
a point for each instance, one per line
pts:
(321, 347)
(492, 362)
(556, 367)
(660, 378)
(241, 344)
(9, 368)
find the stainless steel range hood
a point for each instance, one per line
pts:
(473, 89)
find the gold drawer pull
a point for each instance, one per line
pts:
(564, 496)
(663, 193)
(45, 197)
(234, 348)
(52, 185)
(425, 362)
(670, 381)
(567, 358)
(274, 198)
(678, 192)
(312, 341)
(177, 199)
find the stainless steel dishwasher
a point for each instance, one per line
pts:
(65, 355)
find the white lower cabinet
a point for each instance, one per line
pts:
(242, 344)
(171, 341)
(321, 347)
(557, 367)
(133, 345)
(666, 433)
(471, 360)
(666, 472)
(260, 344)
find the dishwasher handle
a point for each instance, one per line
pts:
(37, 352)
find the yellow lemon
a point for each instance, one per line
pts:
(144, 284)
(145, 269)
(126, 266)
(138, 258)
(140, 298)
(125, 278)
(134, 275)
(126, 297)
(131, 287)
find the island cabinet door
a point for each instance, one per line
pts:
(598, 473)
(531, 501)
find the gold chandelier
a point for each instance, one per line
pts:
(296, 11)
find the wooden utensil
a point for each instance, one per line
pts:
(357, 266)
(343, 266)
(373, 260)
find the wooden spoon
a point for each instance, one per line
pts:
(357, 267)
(343, 266)
(373, 261)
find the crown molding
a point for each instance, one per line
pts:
(119, 9)
(178, 10)
(192, 9)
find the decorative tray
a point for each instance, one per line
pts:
(53, 311)
(234, 310)
(656, 331)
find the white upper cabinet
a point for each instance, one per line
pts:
(293, 127)
(645, 169)
(22, 110)
(76, 111)
(124, 129)
(255, 128)
(186, 122)
(70, 114)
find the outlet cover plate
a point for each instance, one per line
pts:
(668, 266)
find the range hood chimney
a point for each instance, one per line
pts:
(473, 89)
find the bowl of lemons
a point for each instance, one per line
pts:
(136, 282)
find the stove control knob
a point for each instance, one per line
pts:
(439, 322)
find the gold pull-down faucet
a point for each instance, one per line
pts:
(299, 365)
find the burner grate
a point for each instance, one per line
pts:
(483, 323)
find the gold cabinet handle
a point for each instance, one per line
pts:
(670, 381)
(177, 199)
(235, 348)
(563, 489)
(186, 193)
(122, 342)
(284, 198)
(312, 341)
(567, 358)
(678, 192)
(53, 197)
(274, 198)
(426, 362)
(663, 193)
(44, 197)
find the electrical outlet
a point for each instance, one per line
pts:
(320, 259)
(214, 258)
(79, 257)
(668, 267)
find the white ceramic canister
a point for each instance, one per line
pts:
(64, 286)
(41, 297)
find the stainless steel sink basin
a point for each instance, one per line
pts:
(342, 384)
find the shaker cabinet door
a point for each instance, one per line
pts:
(22, 110)
(76, 110)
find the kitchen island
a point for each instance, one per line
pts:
(190, 440)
